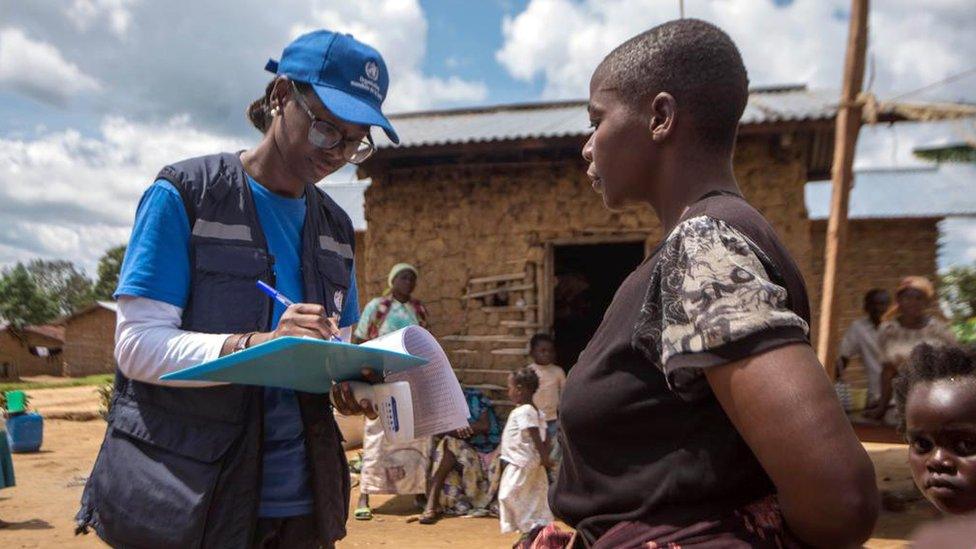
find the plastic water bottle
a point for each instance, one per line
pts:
(25, 432)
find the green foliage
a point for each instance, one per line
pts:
(953, 153)
(97, 379)
(957, 289)
(965, 331)
(23, 301)
(60, 279)
(108, 273)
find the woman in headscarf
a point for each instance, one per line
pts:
(912, 320)
(466, 467)
(391, 468)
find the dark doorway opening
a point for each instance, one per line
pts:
(587, 277)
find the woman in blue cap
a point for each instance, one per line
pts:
(222, 465)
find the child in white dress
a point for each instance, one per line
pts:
(523, 493)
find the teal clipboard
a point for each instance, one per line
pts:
(302, 364)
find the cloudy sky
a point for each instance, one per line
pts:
(97, 95)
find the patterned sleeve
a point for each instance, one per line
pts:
(712, 303)
(362, 327)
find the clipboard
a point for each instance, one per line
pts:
(299, 363)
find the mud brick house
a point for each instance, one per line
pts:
(30, 351)
(493, 206)
(893, 229)
(89, 337)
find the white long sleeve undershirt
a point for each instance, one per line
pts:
(149, 342)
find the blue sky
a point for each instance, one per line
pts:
(97, 95)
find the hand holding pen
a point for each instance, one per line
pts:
(309, 320)
(299, 319)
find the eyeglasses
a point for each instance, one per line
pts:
(326, 135)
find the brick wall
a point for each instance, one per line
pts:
(15, 354)
(879, 253)
(90, 343)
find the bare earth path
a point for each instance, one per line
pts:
(49, 485)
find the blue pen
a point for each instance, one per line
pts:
(281, 298)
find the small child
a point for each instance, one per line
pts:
(552, 379)
(523, 491)
(936, 400)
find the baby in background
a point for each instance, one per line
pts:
(523, 491)
(936, 401)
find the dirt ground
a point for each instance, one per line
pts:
(49, 485)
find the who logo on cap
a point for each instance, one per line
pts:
(349, 77)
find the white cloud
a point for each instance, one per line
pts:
(911, 43)
(398, 29)
(115, 13)
(38, 69)
(64, 195)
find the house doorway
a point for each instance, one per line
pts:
(586, 277)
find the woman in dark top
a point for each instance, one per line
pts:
(698, 413)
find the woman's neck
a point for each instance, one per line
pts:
(265, 163)
(402, 298)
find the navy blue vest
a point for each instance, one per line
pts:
(181, 467)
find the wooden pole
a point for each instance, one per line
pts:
(845, 139)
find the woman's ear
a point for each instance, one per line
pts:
(280, 93)
(662, 116)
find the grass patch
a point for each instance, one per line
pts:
(99, 379)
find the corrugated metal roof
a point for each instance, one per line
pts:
(943, 191)
(569, 118)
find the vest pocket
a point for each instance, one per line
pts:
(335, 280)
(156, 476)
(224, 297)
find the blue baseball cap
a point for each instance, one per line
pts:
(348, 76)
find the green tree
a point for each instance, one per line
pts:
(60, 279)
(108, 272)
(957, 288)
(22, 301)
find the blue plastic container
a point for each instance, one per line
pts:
(25, 432)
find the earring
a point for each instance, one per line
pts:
(275, 110)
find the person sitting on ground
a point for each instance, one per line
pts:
(552, 379)
(913, 319)
(698, 411)
(935, 397)
(466, 467)
(391, 467)
(524, 487)
(861, 340)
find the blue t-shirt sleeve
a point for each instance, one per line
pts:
(157, 259)
(350, 309)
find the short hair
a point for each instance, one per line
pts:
(538, 338)
(697, 63)
(873, 293)
(927, 364)
(526, 377)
